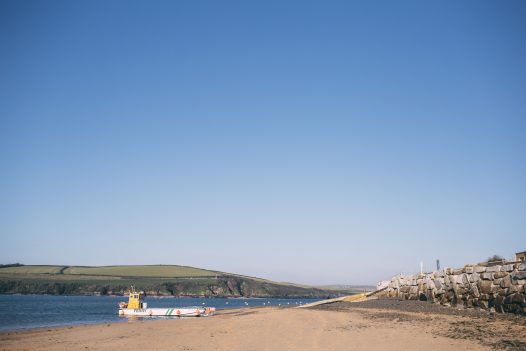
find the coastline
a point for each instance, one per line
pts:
(27, 312)
(366, 326)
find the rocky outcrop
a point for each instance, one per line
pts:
(498, 287)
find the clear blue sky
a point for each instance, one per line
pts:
(314, 142)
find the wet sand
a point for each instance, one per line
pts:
(373, 325)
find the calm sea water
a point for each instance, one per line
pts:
(36, 311)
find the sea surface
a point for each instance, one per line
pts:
(38, 311)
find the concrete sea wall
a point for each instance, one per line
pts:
(495, 287)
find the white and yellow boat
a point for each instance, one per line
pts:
(137, 307)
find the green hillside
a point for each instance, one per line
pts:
(31, 270)
(161, 280)
(163, 271)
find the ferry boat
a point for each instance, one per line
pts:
(137, 307)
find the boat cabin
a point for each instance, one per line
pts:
(135, 300)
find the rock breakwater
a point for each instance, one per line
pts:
(493, 287)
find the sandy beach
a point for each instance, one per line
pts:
(373, 325)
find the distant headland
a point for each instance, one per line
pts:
(155, 280)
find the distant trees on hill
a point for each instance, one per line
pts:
(11, 265)
(495, 258)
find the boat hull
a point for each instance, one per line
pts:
(168, 312)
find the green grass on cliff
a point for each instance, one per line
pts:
(156, 271)
(31, 270)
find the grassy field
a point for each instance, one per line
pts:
(161, 271)
(32, 270)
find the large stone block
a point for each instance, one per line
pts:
(475, 277)
(479, 269)
(475, 291)
(506, 282)
(455, 287)
(457, 279)
(518, 275)
(485, 286)
(506, 268)
(469, 269)
(431, 296)
(493, 269)
(431, 284)
(515, 289)
(500, 274)
(462, 279)
(522, 266)
(486, 276)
